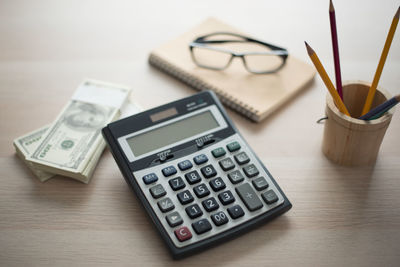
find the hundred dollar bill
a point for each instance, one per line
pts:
(25, 145)
(73, 141)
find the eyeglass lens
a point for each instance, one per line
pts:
(208, 57)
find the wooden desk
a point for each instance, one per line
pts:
(341, 216)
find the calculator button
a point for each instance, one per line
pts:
(234, 146)
(201, 190)
(217, 184)
(194, 211)
(219, 218)
(174, 219)
(226, 164)
(208, 171)
(157, 191)
(193, 177)
(210, 204)
(183, 233)
(150, 178)
(250, 171)
(168, 171)
(235, 177)
(226, 197)
(269, 197)
(176, 183)
(201, 226)
(185, 197)
(260, 183)
(200, 159)
(242, 158)
(218, 152)
(249, 197)
(185, 165)
(235, 211)
(165, 204)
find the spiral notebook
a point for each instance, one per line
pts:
(253, 95)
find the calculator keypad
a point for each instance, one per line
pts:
(205, 193)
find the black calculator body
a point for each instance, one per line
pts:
(195, 175)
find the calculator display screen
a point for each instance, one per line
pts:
(172, 133)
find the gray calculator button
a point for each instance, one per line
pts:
(201, 190)
(250, 171)
(185, 197)
(269, 197)
(194, 211)
(208, 171)
(260, 183)
(157, 191)
(249, 197)
(176, 183)
(168, 171)
(165, 204)
(193, 177)
(150, 178)
(235, 211)
(226, 164)
(219, 218)
(235, 177)
(201, 226)
(217, 184)
(185, 165)
(242, 158)
(226, 197)
(210, 204)
(200, 159)
(174, 219)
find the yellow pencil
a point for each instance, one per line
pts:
(385, 51)
(327, 81)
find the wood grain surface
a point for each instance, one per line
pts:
(341, 216)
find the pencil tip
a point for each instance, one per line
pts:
(331, 8)
(309, 49)
(397, 13)
(397, 98)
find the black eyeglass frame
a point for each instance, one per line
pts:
(201, 42)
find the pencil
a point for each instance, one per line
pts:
(327, 81)
(381, 109)
(385, 51)
(335, 47)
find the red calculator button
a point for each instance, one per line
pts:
(183, 233)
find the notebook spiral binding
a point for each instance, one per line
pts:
(200, 85)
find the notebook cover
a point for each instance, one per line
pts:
(254, 95)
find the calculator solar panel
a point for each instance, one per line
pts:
(195, 175)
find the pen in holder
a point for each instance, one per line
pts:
(348, 140)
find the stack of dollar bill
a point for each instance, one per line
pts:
(72, 145)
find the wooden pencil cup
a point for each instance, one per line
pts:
(350, 141)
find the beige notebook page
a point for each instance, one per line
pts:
(262, 93)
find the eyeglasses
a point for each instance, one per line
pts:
(214, 51)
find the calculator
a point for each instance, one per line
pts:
(195, 175)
